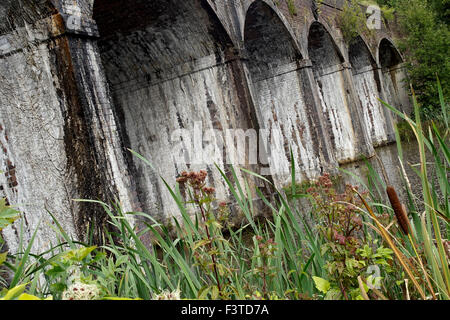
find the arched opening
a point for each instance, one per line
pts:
(329, 74)
(394, 76)
(368, 89)
(274, 66)
(171, 69)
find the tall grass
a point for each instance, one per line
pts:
(278, 262)
(423, 251)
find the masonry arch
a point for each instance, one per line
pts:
(171, 66)
(252, 4)
(335, 92)
(368, 88)
(322, 23)
(274, 64)
(394, 76)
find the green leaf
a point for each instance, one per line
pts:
(321, 284)
(333, 294)
(58, 287)
(14, 292)
(384, 253)
(7, 214)
(78, 254)
(55, 271)
(203, 293)
(367, 251)
(201, 243)
(20, 270)
(3, 257)
(26, 296)
(214, 293)
(142, 158)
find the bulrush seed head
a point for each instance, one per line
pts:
(399, 209)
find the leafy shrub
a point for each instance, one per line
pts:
(425, 46)
(350, 250)
(352, 21)
(7, 216)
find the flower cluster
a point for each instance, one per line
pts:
(223, 214)
(196, 180)
(338, 212)
(266, 248)
(81, 291)
(168, 295)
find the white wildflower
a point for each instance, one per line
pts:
(168, 295)
(81, 291)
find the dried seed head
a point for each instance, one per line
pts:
(209, 190)
(447, 248)
(223, 204)
(181, 180)
(399, 209)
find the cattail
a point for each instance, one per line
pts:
(399, 209)
(447, 248)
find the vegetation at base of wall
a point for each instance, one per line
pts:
(407, 135)
(361, 244)
(7, 216)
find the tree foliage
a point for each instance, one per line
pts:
(425, 47)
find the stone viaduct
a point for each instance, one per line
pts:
(81, 81)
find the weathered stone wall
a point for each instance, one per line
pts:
(274, 65)
(369, 90)
(393, 75)
(58, 139)
(84, 80)
(32, 141)
(161, 86)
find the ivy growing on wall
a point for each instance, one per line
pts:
(353, 21)
(292, 8)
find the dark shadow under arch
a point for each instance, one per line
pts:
(267, 41)
(368, 88)
(159, 34)
(360, 56)
(322, 48)
(170, 65)
(274, 63)
(336, 97)
(394, 76)
(388, 54)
